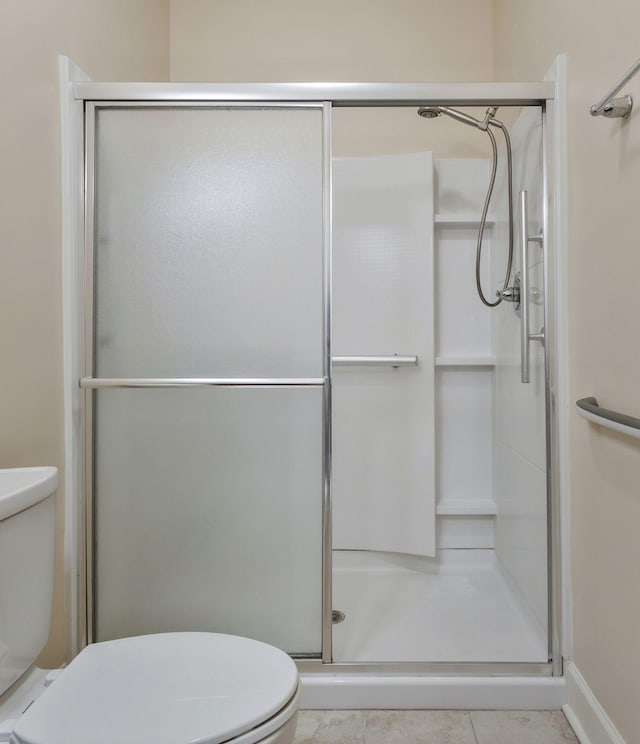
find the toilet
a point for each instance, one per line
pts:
(166, 688)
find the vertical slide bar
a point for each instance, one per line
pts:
(327, 558)
(525, 357)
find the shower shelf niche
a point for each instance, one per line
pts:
(466, 361)
(467, 507)
(445, 219)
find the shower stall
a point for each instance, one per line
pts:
(301, 424)
(439, 474)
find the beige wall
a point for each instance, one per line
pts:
(334, 40)
(604, 268)
(110, 40)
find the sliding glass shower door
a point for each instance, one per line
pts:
(209, 370)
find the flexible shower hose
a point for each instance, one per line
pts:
(485, 210)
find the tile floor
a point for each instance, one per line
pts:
(433, 727)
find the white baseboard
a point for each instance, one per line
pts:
(585, 714)
(324, 691)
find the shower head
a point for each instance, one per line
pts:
(431, 112)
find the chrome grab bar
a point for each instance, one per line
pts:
(374, 361)
(525, 336)
(589, 409)
(616, 107)
(199, 382)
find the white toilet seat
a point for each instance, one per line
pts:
(274, 725)
(170, 688)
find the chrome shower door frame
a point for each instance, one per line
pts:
(329, 95)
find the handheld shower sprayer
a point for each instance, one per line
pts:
(484, 124)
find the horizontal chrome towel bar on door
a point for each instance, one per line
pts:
(588, 408)
(374, 361)
(200, 382)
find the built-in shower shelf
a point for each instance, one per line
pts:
(466, 361)
(467, 507)
(445, 219)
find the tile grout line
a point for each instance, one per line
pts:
(473, 728)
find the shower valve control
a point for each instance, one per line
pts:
(511, 294)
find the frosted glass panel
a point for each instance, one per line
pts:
(209, 242)
(208, 262)
(208, 513)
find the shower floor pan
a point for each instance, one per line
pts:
(455, 608)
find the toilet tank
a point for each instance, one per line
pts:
(27, 548)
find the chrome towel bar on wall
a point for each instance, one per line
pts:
(616, 108)
(589, 409)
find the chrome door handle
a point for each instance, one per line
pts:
(525, 336)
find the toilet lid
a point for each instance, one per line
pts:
(170, 688)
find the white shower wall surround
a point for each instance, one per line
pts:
(520, 466)
(464, 359)
(383, 482)
(463, 604)
(403, 283)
